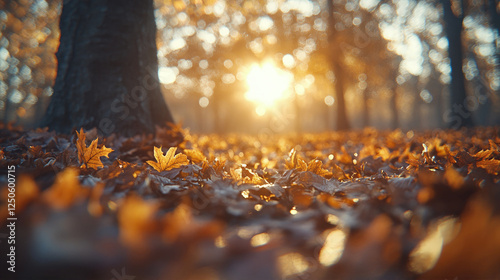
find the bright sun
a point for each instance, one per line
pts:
(267, 84)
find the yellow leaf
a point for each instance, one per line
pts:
(90, 156)
(316, 166)
(296, 162)
(167, 161)
(195, 156)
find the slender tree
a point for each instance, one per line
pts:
(107, 73)
(336, 60)
(453, 27)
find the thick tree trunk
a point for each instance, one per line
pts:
(107, 73)
(453, 26)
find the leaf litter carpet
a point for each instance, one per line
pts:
(355, 205)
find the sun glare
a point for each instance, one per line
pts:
(267, 84)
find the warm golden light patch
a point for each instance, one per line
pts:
(292, 264)
(260, 239)
(333, 248)
(220, 242)
(267, 84)
(425, 256)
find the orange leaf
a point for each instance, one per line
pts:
(65, 191)
(90, 156)
(167, 161)
(491, 165)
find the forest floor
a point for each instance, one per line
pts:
(356, 205)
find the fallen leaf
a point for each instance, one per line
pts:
(491, 165)
(296, 162)
(195, 156)
(167, 161)
(90, 156)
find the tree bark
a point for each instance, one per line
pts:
(453, 28)
(107, 73)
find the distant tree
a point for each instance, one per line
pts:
(494, 13)
(338, 69)
(453, 22)
(107, 73)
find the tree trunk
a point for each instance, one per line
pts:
(336, 65)
(458, 95)
(393, 104)
(342, 120)
(107, 73)
(435, 87)
(366, 109)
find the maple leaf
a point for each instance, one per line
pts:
(167, 161)
(90, 157)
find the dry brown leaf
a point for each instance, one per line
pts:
(167, 161)
(90, 156)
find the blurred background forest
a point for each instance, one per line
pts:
(274, 66)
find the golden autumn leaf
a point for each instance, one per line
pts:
(90, 156)
(316, 166)
(296, 162)
(167, 161)
(195, 155)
